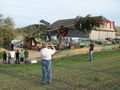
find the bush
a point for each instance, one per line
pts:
(0, 55)
(54, 42)
(1, 46)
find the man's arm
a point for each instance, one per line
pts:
(52, 46)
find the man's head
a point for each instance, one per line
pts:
(91, 41)
(45, 45)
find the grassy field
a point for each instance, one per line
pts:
(75, 73)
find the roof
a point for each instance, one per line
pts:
(102, 17)
(72, 33)
(62, 22)
(67, 22)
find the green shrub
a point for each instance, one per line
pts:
(1, 46)
(0, 55)
(54, 42)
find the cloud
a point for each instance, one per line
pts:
(27, 12)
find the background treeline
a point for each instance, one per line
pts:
(7, 31)
(32, 30)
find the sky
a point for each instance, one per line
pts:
(27, 12)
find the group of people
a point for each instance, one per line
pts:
(46, 56)
(15, 57)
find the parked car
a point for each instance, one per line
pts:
(117, 40)
(113, 41)
(103, 42)
(78, 43)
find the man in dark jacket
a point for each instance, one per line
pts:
(12, 46)
(17, 57)
(91, 50)
(4, 57)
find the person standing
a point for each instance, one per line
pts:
(22, 56)
(4, 57)
(12, 55)
(12, 46)
(91, 51)
(17, 57)
(26, 53)
(46, 56)
(9, 57)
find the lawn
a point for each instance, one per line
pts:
(75, 73)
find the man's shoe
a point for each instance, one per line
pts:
(43, 83)
(49, 82)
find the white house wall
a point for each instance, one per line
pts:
(106, 31)
(117, 36)
(101, 35)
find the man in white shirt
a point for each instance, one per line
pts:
(46, 56)
(12, 55)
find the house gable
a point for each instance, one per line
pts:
(107, 27)
(105, 31)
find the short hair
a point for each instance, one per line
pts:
(91, 41)
(44, 44)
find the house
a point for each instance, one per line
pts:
(117, 35)
(106, 31)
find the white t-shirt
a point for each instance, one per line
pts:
(12, 54)
(46, 53)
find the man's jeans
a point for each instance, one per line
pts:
(46, 70)
(91, 55)
(12, 60)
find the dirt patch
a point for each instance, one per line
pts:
(33, 54)
(2, 50)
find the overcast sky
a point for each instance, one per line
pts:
(26, 12)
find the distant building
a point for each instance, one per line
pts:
(107, 31)
(117, 35)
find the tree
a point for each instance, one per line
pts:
(6, 35)
(62, 33)
(9, 22)
(32, 31)
(7, 32)
(88, 23)
(1, 19)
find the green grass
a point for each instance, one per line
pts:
(75, 73)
